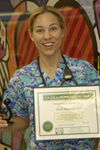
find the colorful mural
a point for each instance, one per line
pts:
(82, 40)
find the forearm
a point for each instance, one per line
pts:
(20, 124)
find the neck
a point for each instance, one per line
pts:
(49, 64)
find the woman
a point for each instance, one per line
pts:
(46, 30)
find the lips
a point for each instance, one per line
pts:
(48, 44)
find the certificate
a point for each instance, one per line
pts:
(67, 112)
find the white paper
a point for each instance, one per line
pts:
(67, 112)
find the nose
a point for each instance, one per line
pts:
(47, 35)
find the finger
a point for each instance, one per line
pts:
(3, 123)
(1, 114)
(3, 126)
(4, 116)
(0, 118)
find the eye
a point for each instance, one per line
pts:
(39, 30)
(53, 29)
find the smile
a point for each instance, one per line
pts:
(48, 44)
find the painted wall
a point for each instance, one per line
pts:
(82, 40)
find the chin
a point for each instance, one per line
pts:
(49, 54)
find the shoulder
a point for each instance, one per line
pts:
(26, 69)
(77, 62)
(25, 73)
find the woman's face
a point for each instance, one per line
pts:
(47, 34)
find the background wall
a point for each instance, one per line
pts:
(82, 40)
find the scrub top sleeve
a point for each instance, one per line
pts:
(18, 103)
(92, 74)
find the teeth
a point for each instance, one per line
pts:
(48, 44)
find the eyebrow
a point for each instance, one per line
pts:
(39, 26)
(54, 24)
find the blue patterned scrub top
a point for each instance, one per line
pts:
(20, 92)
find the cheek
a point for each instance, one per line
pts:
(37, 42)
(37, 39)
(58, 36)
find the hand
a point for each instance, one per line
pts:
(3, 123)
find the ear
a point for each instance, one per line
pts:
(63, 32)
(30, 34)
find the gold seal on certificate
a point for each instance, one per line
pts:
(67, 112)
